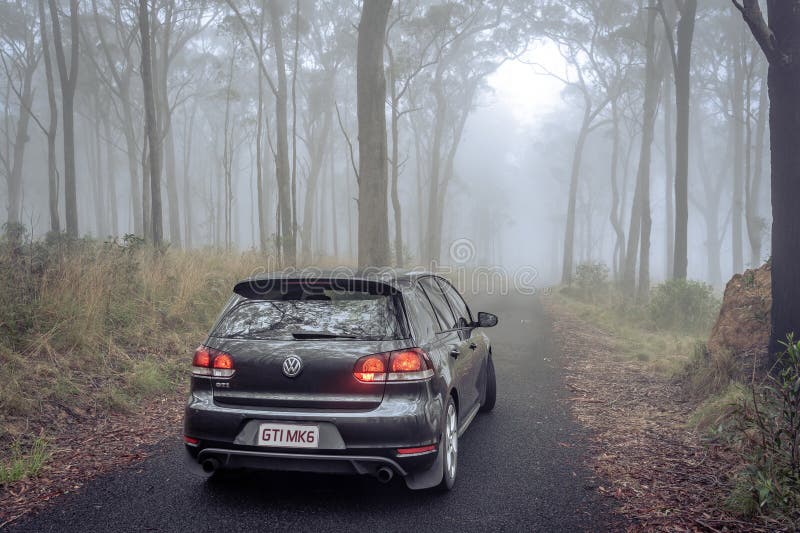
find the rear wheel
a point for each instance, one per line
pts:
(450, 446)
(489, 388)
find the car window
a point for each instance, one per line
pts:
(444, 315)
(326, 313)
(457, 303)
(421, 314)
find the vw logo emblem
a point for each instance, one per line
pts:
(292, 366)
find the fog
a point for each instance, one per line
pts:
(489, 98)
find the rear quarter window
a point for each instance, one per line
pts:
(421, 315)
(441, 308)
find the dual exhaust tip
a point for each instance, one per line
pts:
(384, 474)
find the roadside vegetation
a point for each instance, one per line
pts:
(662, 333)
(89, 327)
(704, 346)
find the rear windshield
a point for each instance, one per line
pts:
(323, 314)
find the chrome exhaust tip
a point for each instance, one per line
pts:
(384, 474)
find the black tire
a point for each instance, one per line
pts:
(490, 388)
(450, 444)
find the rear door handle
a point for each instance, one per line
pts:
(454, 352)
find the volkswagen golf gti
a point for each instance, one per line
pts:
(355, 374)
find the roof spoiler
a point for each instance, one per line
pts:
(270, 288)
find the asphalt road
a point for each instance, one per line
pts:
(520, 469)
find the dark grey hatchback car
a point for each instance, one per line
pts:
(349, 374)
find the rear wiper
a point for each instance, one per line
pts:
(301, 335)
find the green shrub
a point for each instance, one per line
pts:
(770, 425)
(683, 305)
(592, 280)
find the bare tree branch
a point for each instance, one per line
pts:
(752, 15)
(349, 144)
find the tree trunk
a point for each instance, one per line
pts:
(111, 178)
(669, 177)
(262, 227)
(396, 208)
(433, 242)
(333, 199)
(373, 222)
(172, 188)
(20, 140)
(164, 119)
(52, 171)
(146, 218)
(227, 155)
(781, 43)
(318, 144)
(577, 156)
(282, 170)
(682, 104)
(421, 222)
(755, 223)
(737, 124)
(294, 118)
(131, 149)
(154, 142)
(68, 83)
(98, 190)
(639, 235)
(614, 216)
(713, 242)
(187, 186)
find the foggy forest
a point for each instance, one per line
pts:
(254, 118)
(636, 160)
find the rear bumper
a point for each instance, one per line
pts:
(409, 415)
(350, 442)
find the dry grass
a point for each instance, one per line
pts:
(90, 328)
(664, 352)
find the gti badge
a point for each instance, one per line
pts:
(292, 366)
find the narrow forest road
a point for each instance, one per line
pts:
(520, 469)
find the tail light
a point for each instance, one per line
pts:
(371, 368)
(411, 364)
(212, 363)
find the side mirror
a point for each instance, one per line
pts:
(486, 320)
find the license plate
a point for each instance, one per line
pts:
(288, 436)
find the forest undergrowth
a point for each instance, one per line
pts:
(736, 439)
(90, 328)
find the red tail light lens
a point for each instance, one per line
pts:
(371, 368)
(212, 363)
(408, 361)
(202, 358)
(411, 364)
(223, 360)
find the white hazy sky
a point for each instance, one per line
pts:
(509, 120)
(522, 88)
